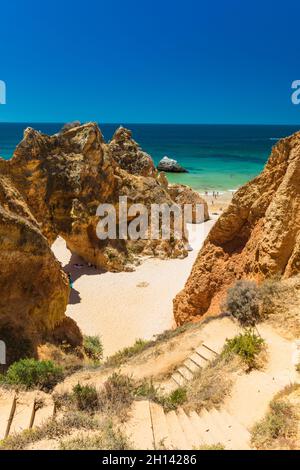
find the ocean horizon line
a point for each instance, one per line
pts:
(156, 123)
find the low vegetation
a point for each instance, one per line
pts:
(31, 373)
(85, 397)
(243, 303)
(146, 389)
(51, 429)
(123, 355)
(211, 385)
(217, 446)
(93, 348)
(247, 345)
(113, 398)
(278, 429)
(109, 438)
(141, 345)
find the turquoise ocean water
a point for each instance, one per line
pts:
(218, 157)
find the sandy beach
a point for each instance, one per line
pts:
(218, 203)
(122, 307)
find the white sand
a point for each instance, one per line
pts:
(112, 305)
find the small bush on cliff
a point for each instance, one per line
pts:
(85, 397)
(147, 389)
(117, 394)
(93, 347)
(243, 303)
(32, 373)
(246, 345)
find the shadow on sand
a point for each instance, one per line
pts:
(77, 267)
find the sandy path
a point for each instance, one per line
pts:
(253, 392)
(113, 306)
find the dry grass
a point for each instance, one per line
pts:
(112, 399)
(109, 438)
(279, 428)
(120, 357)
(218, 446)
(210, 387)
(281, 305)
(51, 429)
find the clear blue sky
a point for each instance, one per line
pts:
(164, 61)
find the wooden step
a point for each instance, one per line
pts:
(186, 373)
(239, 430)
(194, 417)
(176, 432)
(161, 435)
(192, 366)
(178, 379)
(204, 429)
(200, 361)
(210, 348)
(7, 409)
(139, 426)
(191, 434)
(212, 435)
(214, 424)
(205, 353)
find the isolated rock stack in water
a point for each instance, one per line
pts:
(257, 237)
(52, 186)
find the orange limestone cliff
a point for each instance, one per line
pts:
(34, 289)
(258, 236)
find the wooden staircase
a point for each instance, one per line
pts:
(197, 360)
(150, 427)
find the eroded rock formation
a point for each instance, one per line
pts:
(258, 236)
(65, 177)
(129, 156)
(34, 289)
(183, 195)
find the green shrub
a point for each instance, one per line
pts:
(243, 303)
(33, 373)
(279, 423)
(169, 402)
(85, 397)
(93, 347)
(175, 399)
(246, 345)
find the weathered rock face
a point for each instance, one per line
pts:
(183, 195)
(65, 177)
(257, 237)
(169, 165)
(34, 289)
(129, 156)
